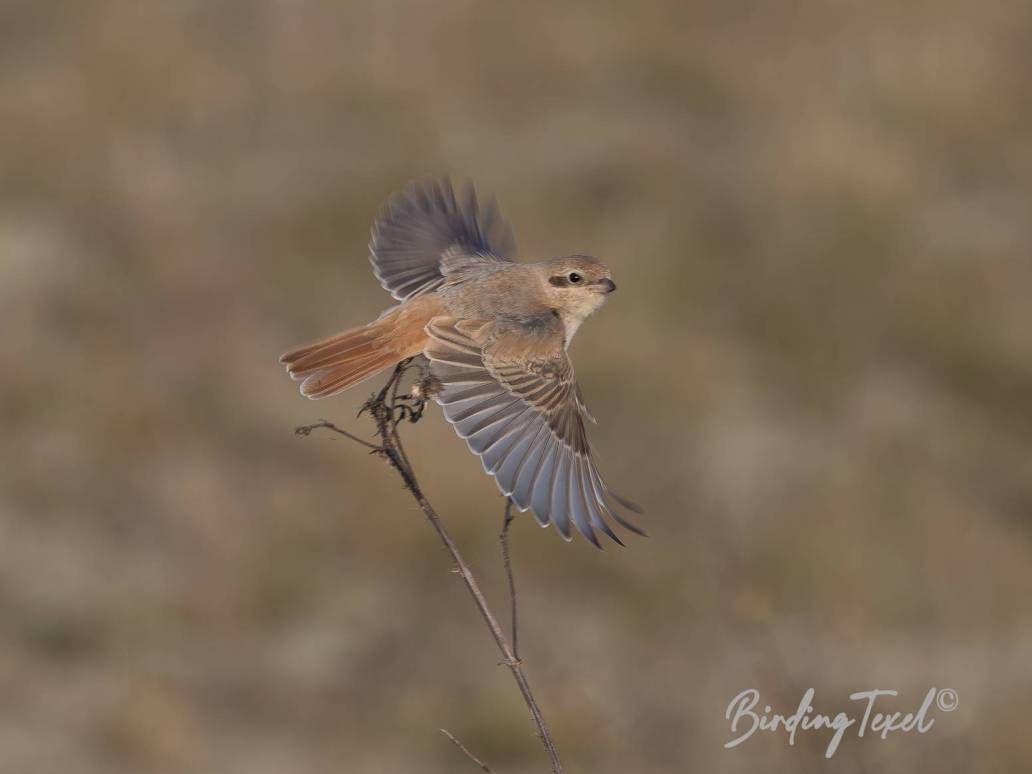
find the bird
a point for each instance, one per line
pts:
(495, 333)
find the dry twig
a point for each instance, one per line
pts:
(504, 538)
(467, 753)
(388, 409)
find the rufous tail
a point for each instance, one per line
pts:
(331, 365)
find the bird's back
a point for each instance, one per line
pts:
(491, 291)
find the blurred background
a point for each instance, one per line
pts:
(816, 377)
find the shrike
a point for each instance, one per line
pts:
(495, 333)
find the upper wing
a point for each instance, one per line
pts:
(420, 224)
(509, 390)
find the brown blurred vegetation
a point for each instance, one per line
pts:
(816, 376)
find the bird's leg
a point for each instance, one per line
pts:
(390, 406)
(381, 405)
(412, 404)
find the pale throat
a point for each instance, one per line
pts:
(571, 323)
(572, 315)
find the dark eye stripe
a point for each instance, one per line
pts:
(559, 282)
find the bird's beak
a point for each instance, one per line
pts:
(606, 285)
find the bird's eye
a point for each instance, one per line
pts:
(574, 277)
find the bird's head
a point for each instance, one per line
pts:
(575, 286)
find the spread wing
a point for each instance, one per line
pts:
(419, 225)
(509, 390)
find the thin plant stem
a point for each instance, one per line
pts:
(466, 752)
(503, 537)
(388, 409)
